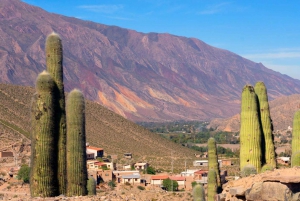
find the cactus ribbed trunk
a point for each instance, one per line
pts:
(43, 182)
(54, 60)
(199, 193)
(213, 159)
(295, 137)
(266, 123)
(250, 132)
(211, 185)
(76, 144)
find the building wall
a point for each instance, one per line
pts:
(156, 182)
(6, 154)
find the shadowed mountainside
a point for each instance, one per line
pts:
(143, 77)
(104, 128)
(282, 113)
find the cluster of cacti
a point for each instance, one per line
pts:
(213, 159)
(91, 186)
(198, 193)
(49, 159)
(256, 138)
(248, 170)
(250, 132)
(212, 185)
(295, 159)
(267, 167)
(266, 123)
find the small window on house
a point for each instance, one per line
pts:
(201, 163)
(135, 179)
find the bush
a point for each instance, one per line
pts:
(141, 188)
(111, 184)
(23, 173)
(150, 170)
(170, 185)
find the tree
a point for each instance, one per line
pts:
(23, 173)
(150, 170)
(170, 185)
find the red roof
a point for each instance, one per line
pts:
(159, 177)
(94, 148)
(201, 172)
(174, 178)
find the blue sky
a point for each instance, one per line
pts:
(265, 31)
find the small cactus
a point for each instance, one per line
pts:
(213, 159)
(212, 185)
(296, 133)
(248, 170)
(267, 167)
(76, 142)
(91, 186)
(198, 193)
(43, 181)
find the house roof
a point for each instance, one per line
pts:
(141, 164)
(285, 158)
(159, 177)
(200, 172)
(94, 148)
(176, 178)
(131, 176)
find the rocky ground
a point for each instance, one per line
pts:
(280, 184)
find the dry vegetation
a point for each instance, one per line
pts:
(104, 129)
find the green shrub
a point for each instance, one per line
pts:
(141, 188)
(170, 185)
(150, 170)
(248, 170)
(23, 173)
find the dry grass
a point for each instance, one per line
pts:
(104, 128)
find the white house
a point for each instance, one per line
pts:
(158, 179)
(204, 163)
(132, 179)
(98, 152)
(141, 166)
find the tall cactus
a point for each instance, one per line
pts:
(76, 144)
(43, 182)
(266, 123)
(211, 185)
(295, 160)
(250, 132)
(295, 136)
(213, 159)
(54, 60)
(198, 193)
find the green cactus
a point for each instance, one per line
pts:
(212, 185)
(248, 170)
(54, 60)
(91, 186)
(267, 167)
(43, 182)
(198, 193)
(296, 133)
(213, 159)
(250, 132)
(295, 160)
(76, 144)
(266, 123)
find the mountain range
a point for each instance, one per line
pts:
(141, 76)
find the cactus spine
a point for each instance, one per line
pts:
(266, 123)
(213, 159)
(76, 155)
(198, 193)
(43, 181)
(54, 60)
(295, 137)
(250, 132)
(211, 185)
(91, 186)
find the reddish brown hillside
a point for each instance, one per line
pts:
(143, 77)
